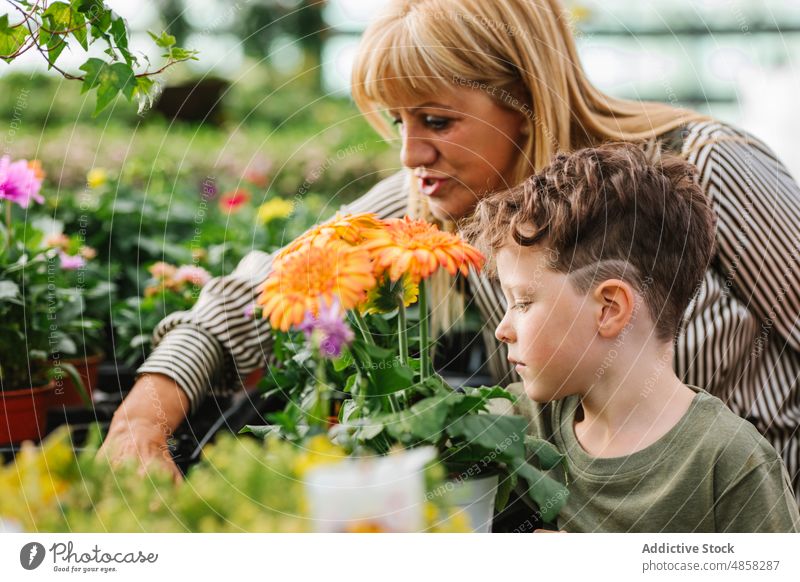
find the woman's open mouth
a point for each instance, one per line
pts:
(430, 186)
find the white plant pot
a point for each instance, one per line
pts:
(475, 498)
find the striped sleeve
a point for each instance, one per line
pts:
(758, 207)
(214, 345)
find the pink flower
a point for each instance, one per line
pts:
(162, 270)
(20, 181)
(71, 263)
(56, 241)
(191, 274)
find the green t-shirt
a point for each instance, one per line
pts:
(712, 472)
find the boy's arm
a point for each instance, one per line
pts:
(760, 501)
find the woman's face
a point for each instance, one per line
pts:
(461, 145)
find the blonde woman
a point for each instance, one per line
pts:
(483, 93)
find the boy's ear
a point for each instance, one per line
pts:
(616, 303)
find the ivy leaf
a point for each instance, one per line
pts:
(109, 80)
(119, 31)
(92, 67)
(165, 41)
(11, 37)
(181, 54)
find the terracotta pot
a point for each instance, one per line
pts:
(23, 413)
(253, 378)
(66, 393)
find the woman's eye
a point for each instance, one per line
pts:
(437, 123)
(522, 306)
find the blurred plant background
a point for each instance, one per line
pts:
(265, 115)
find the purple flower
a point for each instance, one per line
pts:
(71, 263)
(330, 327)
(249, 310)
(20, 181)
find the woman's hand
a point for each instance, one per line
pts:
(144, 421)
(142, 440)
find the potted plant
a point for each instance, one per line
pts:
(78, 328)
(27, 302)
(338, 299)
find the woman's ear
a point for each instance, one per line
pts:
(616, 302)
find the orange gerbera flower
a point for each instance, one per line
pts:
(418, 248)
(301, 279)
(349, 228)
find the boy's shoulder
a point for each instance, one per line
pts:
(731, 442)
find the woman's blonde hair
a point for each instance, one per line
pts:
(523, 50)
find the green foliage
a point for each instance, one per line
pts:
(240, 485)
(47, 28)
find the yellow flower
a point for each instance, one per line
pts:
(274, 209)
(384, 297)
(96, 177)
(352, 229)
(418, 248)
(300, 280)
(317, 451)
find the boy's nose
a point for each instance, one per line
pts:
(504, 332)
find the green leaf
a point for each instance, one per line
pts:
(504, 489)
(11, 37)
(181, 54)
(501, 434)
(351, 382)
(549, 457)
(390, 376)
(548, 494)
(261, 431)
(109, 80)
(343, 361)
(424, 421)
(119, 31)
(164, 41)
(93, 68)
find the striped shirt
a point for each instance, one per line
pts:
(740, 340)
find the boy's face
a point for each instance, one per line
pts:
(548, 326)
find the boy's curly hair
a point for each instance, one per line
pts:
(610, 212)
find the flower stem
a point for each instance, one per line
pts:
(402, 332)
(424, 339)
(362, 327)
(8, 222)
(321, 408)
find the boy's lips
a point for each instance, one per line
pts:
(430, 185)
(517, 364)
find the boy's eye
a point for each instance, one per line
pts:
(522, 305)
(436, 122)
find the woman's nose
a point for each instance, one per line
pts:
(417, 151)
